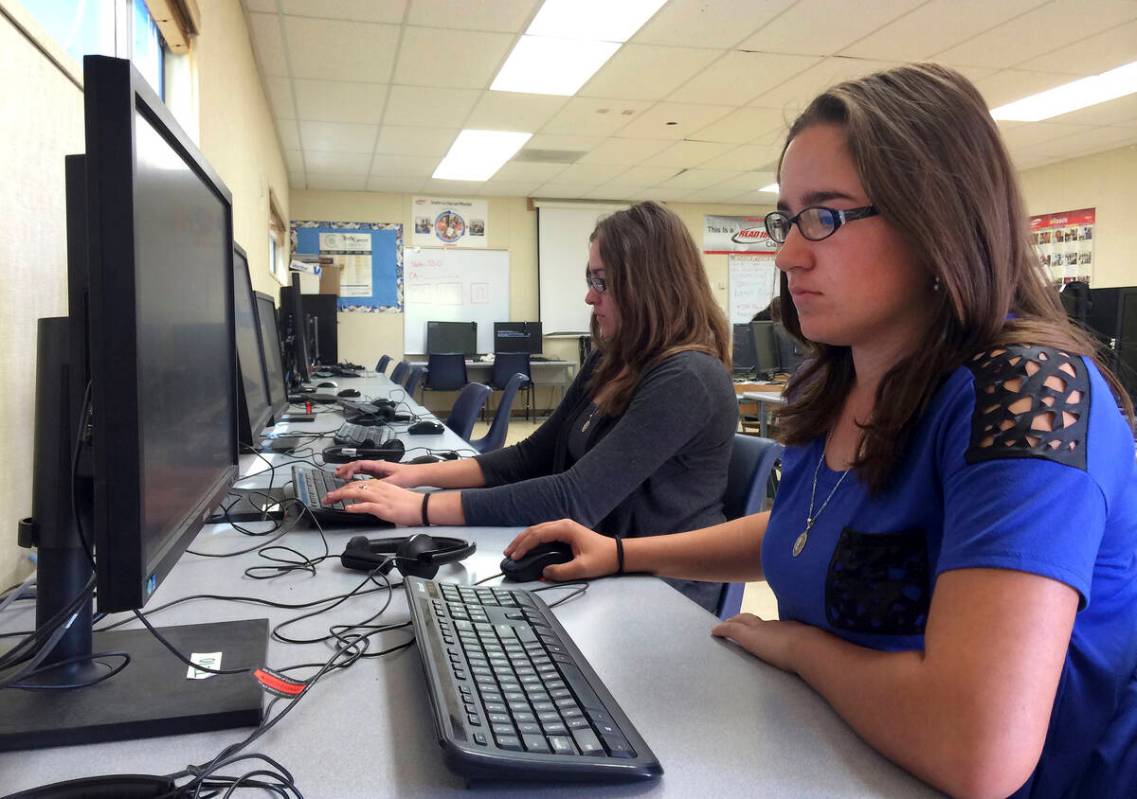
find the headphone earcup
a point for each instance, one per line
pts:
(409, 556)
(358, 555)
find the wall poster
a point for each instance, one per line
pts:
(1065, 244)
(369, 256)
(447, 222)
(723, 235)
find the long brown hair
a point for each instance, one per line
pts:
(657, 281)
(931, 160)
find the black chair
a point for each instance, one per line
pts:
(381, 367)
(446, 371)
(399, 373)
(414, 379)
(505, 366)
(752, 461)
(500, 424)
(466, 409)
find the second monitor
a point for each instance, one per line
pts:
(451, 337)
(517, 337)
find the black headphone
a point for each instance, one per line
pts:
(418, 555)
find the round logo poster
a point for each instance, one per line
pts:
(449, 226)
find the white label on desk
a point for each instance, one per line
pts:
(210, 660)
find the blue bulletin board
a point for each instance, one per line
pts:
(379, 243)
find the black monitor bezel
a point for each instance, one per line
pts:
(257, 424)
(278, 407)
(113, 93)
(473, 326)
(533, 336)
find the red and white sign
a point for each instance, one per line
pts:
(1065, 244)
(723, 235)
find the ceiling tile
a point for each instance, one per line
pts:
(685, 154)
(744, 125)
(592, 174)
(796, 93)
(514, 111)
(566, 191)
(545, 141)
(360, 10)
(267, 6)
(1121, 112)
(527, 172)
(1014, 84)
(647, 72)
(397, 140)
(697, 178)
(450, 58)
(333, 163)
(280, 97)
(655, 123)
(592, 117)
(333, 49)
(747, 181)
(420, 166)
(451, 188)
(624, 151)
(394, 185)
(662, 194)
(822, 27)
(747, 157)
(1099, 53)
(436, 108)
(1030, 133)
(268, 44)
(714, 194)
(935, 27)
(709, 23)
(335, 101)
(1095, 140)
(494, 15)
(508, 188)
(739, 77)
(615, 192)
(763, 200)
(647, 175)
(1034, 33)
(289, 134)
(338, 137)
(322, 182)
(294, 160)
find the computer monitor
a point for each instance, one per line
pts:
(766, 360)
(322, 314)
(136, 433)
(255, 409)
(743, 358)
(517, 337)
(294, 333)
(445, 337)
(274, 363)
(790, 351)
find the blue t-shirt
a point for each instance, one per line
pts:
(976, 488)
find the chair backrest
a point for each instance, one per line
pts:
(446, 371)
(506, 365)
(466, 409)
(381, 367)
(399, 373)
(751, 461)
(500, 424)
(414, 379)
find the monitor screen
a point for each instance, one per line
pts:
(255, 403)
(274, 364)
(791, 352)
(766, 359)
(294, 331)
(743, 358)
(517, 337)
(448, 337)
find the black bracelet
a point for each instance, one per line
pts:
(426, 509)
(619, 554)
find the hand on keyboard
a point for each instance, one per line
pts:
(398, 474)
(594, 555)
(380, 498)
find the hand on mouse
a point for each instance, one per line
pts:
(594, 555)
(399, 474)
(380, 498)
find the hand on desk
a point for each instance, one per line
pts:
(380, 498)
(594, 555)
(771, 641)
(399, 474)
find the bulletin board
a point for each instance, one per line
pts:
(455, 285)
(369, 255)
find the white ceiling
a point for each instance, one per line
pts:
(369, 94)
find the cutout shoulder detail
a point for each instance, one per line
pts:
(1030, 402)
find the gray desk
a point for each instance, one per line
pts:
(722, 723)
(765, 400)
(555, 374)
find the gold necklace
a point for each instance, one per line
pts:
(811, 517)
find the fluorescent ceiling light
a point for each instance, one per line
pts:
(1071, 96)
(478, 154)
(594, 20)
(772, 188)
(541, 65)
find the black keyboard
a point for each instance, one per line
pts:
(358, 435)
(310, 485)
(513, 697)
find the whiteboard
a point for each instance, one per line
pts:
(562, 255)
(454, 285)
(753, 282)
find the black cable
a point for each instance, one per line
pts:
(579, 589)
(487, 579)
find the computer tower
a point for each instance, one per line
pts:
(321, 310)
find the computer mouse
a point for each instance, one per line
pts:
(327, 384)
(348, 392)
(533, 562)
(425, 459)
(425, 427)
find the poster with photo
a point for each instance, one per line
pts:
(1064, 243)
(448, 222)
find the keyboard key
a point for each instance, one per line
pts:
(562, 745)
(587, 741)
(535, 743)
(511, 742)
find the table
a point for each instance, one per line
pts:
(765, 400)
(557, 374)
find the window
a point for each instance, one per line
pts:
(277, 241)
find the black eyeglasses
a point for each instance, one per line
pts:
(597, 284)
(815, 223)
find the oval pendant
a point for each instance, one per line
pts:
(799, 543)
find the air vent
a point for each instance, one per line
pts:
(548, 156)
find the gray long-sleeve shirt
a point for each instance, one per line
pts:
(660, 467)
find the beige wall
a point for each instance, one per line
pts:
(43, 123)
(1105, 181)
